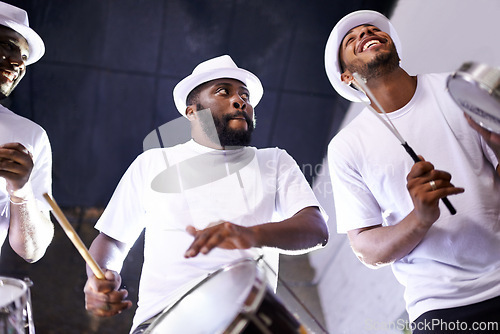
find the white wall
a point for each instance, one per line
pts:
(437, 36)
(440, 35)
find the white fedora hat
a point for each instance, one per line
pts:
(17, 19)
(216, 68)
(338, 33)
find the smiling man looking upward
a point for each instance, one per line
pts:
(390, 207)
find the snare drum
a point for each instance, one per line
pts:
(234, 299)
(15, 306)
(476, 89)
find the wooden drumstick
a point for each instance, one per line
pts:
(73, 236)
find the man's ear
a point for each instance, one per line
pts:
(191, 112)
(346, 77)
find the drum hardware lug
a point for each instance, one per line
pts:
(28, 281)
(265, 319)
(261, 321)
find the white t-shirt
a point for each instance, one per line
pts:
(14, 128)
(458, 262)
(165, 190)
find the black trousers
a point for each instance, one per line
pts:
(479, 318)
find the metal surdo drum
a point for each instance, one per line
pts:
(476, 89)
(234, 299)
(15, 307)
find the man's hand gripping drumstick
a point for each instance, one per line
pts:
(102, 297)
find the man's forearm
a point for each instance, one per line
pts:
(30, 230)
(303, 231)
(108, 253)
(381, 245)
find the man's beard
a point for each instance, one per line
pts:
(224, 134)
(382, 64)
(7, 88)
(6, 91)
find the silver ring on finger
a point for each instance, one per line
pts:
(432, 184)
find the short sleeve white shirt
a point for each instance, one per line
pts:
(165, 190)
(15, 128)
(457, 262)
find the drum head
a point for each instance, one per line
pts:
(475, 89)
(213, 304)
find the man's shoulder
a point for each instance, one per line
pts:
(166, 155)
(268, 151)
(159, 152)
(356, 126)
(348, 141)
(274, 156)
(15, 121)
(8, 115)
(5, 110)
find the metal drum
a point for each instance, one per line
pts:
(476, 89)
(15, 306)
(234, 299)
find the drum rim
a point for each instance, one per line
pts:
(21, 298)
(471, 81)
(242, 320)
(470, 70)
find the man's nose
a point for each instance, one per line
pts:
(365, 31)
(15, 59)
(239, 103)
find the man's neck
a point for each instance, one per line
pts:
(394, 90)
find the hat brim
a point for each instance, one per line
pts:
(35, 42)
(332, 64)
(185, 86)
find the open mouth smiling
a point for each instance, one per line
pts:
(11, 76)
(370, 42)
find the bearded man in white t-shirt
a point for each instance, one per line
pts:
(390, 207)
(25, 153)
(203, 204)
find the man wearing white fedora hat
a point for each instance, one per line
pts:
(389, 206)
(203, 204)
(25, 153)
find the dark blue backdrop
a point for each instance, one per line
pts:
(106, 79)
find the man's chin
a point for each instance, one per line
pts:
(238, 125)
(236, 138)
(5, 91)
